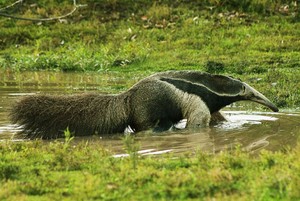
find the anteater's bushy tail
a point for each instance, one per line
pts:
(45, 116)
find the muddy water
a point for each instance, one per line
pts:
(253, 131)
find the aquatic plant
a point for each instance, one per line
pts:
(68, 136)
(132, 147)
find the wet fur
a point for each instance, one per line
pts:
(47, 116)
(158, 102)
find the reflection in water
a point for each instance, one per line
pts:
(145, 153)
(252, 131)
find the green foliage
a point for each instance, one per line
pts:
(214, 67)
(132, 148)
(68, 136)
(47, 171)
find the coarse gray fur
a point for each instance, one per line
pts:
(156, 102)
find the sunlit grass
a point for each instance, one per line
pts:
(52, 170)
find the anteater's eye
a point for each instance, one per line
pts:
(244, 88)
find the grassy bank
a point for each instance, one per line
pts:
(60, 171)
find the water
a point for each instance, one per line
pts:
(252, 131)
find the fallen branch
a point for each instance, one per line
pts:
(43, 19)
(11, 5)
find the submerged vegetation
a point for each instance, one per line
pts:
(257, 41)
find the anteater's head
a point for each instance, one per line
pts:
(216, 91)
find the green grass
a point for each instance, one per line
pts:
(85, 171)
